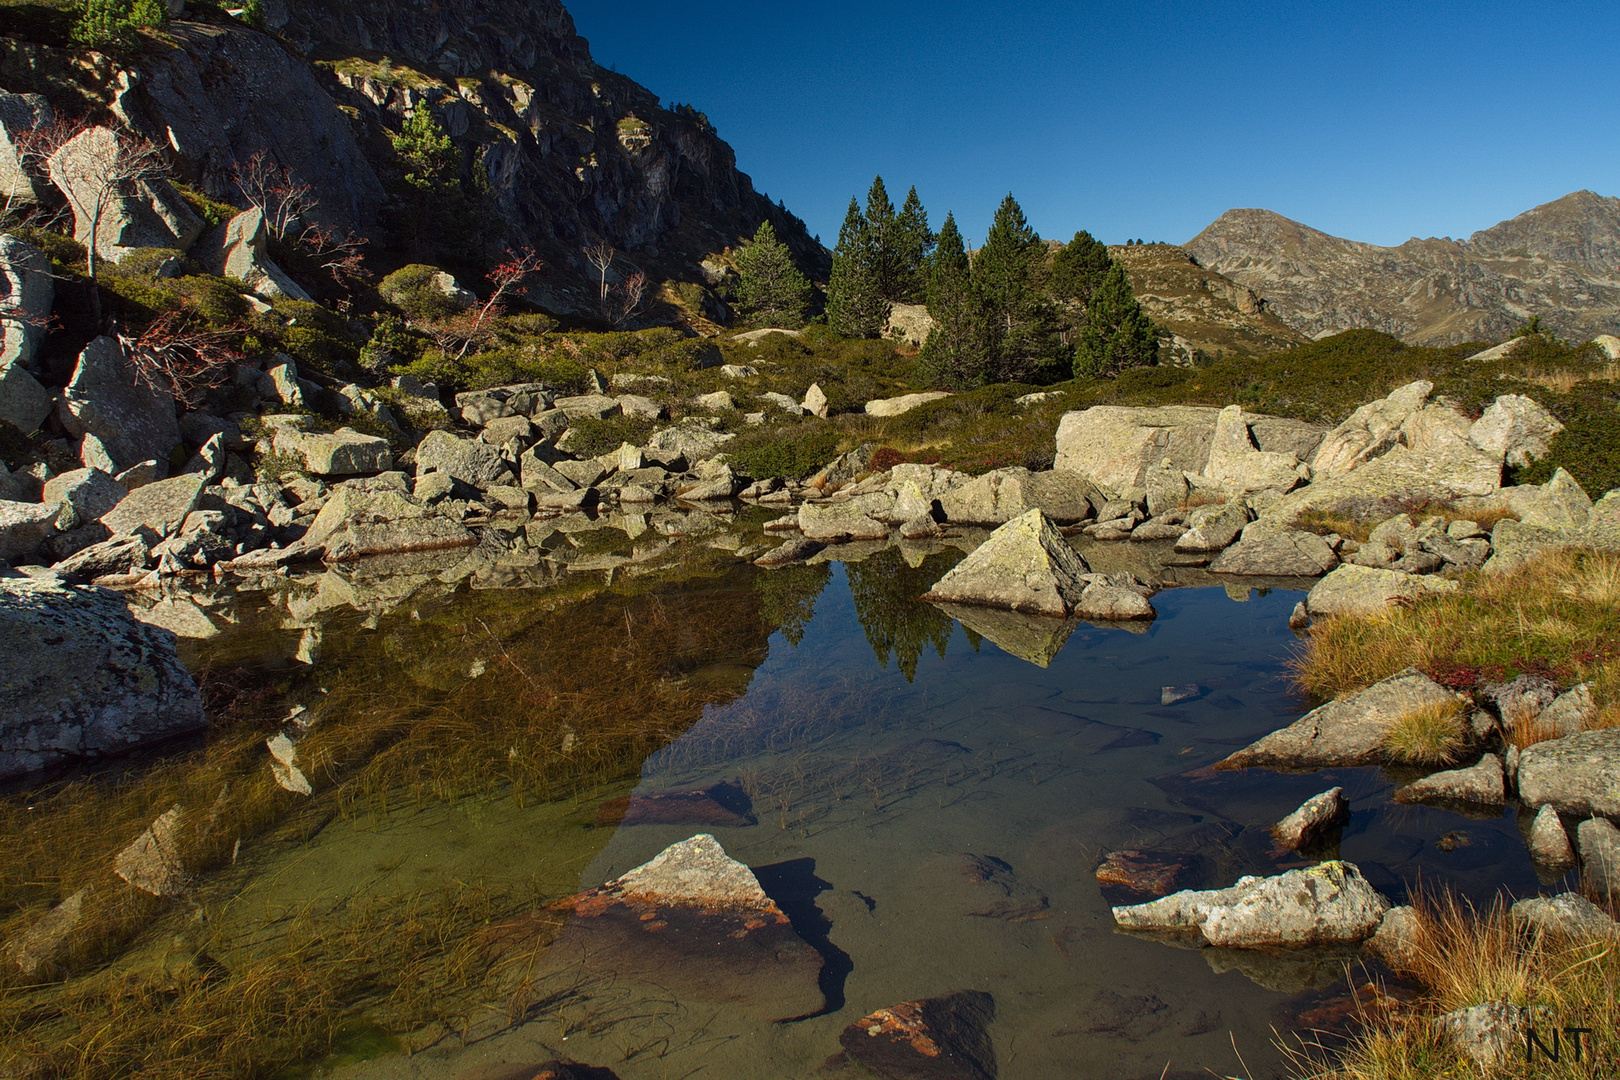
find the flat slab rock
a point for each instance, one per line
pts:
(1327, 904)
(1362, 590)
(1346, 731)
(939, 1038)
(696, 923)
(1567, 915)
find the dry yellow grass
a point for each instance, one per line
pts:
(1558, 615)
(1466, 957)
(1565, 381)
(1430, 735)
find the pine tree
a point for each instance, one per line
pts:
(954, 353)
(1117, 334)
(1023, 335)
(770, 291)
(882, 228)
(1079, 268)
(913, 242)
(855, 305)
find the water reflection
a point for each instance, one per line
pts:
(898, 625)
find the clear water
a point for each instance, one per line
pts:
(879, 750)
(880, 741)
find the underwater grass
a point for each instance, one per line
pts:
(1555, 616)
(533, 696)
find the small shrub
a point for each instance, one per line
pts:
(412, 290)
(790, 453)
(215, 299)
(274, 466)
(592, 437)
(1428, 735)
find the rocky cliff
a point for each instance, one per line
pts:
(565, 152)
(1560, 261)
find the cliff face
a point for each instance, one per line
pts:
(572, 153)
(1560, 261)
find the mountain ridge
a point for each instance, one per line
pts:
(1559, 261)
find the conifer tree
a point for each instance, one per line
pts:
(1023, 336)
(954, 354)
(882, 228)
(770, 291)
(1117, 334)
(1079, 268)
(855, 304)
(913, 242)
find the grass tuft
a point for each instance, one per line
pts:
(1429, 735)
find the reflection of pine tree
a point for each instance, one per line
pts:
(896, 622)
(787, 598)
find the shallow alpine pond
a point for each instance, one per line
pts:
(355, 874)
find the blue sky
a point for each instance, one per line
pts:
(1372, 121)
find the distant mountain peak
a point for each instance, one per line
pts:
(1560, 260)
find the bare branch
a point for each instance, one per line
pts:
(180, 357)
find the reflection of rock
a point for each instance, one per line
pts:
(1282, 972)
(722, 805)
(695, 923)
(942, 1038)
(986, 886)
(1034, 638)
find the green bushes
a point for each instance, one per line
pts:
(114, 22)
(792, 453)
(1589, 445)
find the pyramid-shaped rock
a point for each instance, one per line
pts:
(1024, 566)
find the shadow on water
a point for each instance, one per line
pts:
(794, 886)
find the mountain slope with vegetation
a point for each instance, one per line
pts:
(546, 149)
(1560, 261)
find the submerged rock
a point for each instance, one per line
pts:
(1024, 566)
(717, 806)
(696, 923)
(1327, 904)
(1142, 873)
(152, 862)
(40, 943)
(1316, 818)
(940, 1038)
(1345, 731)
(988, 887)
(86, 679)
